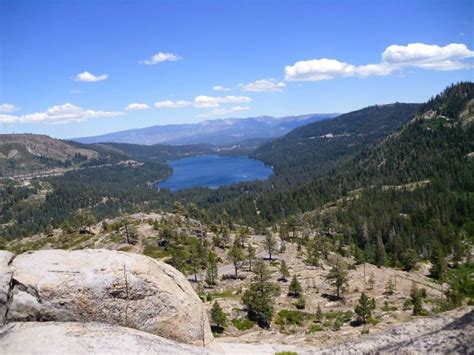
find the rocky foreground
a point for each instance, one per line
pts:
(99, 301)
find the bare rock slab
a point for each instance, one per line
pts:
(110, 287)
(38, 338)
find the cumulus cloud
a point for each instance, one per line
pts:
(87, 77)
(161, 57)
(172, 104)
(203, 101)
(58, 114)
(264, 85)
(220, 88)
(394, 57)
(8, 108)
(137, 106)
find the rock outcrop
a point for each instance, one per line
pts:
(447, 333)
(5, 282)
(85, 338)
(109, 287)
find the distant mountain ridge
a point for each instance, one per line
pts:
(217, 132)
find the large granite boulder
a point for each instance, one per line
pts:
(60, 338)
(5, 282)
(110, 287)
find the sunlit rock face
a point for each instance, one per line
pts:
(105, 286)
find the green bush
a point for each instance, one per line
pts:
(313, 328)
(243, 323)
(286, 316)
(346, 316)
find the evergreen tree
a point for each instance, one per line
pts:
(236, 255)
(251, 255)
(416, 299)
(313, 252)
(270, 244)
(258, 298)
(295, 289)
(409, 259)
(284, 273)
(338, 277)
(364, 308)
(438, 264)
(212, 271)
(218, 317)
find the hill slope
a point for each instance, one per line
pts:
(217, 132)
(26, 153)
(315, 148)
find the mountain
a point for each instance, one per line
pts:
(317, 147)
(216, 132)
(412, 190)
(25, 153)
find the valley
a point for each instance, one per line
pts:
(361, 229)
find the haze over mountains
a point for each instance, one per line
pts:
(216, 132)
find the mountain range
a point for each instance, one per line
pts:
(217, 132)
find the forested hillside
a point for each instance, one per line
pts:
(316, 148)
(413, 193)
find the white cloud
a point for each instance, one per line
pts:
(172, 104)
(203, 101)
(264, 85)
(87, 77)
(161, 57)
(59, 114)
(8, 108)
(318, 69)
(394, 57)
(415, 54)
(220, 88)
(137, 106)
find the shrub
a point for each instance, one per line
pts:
(300, 303)
(315, 328)
(286, 316)
(242, 323)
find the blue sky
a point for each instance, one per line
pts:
(72, 68)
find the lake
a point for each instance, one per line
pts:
(213, 171)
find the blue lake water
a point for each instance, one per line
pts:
(213, 171)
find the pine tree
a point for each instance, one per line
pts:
(236, 255)
(416, 299)
(212, 271)
(438, 264)
(295, 289)
(338, 277)
(409, 259)
(251, 255)
(313, 252)
(270, 244)
(258, 298)
(218, 317)
(284, 273)
(364, 308)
